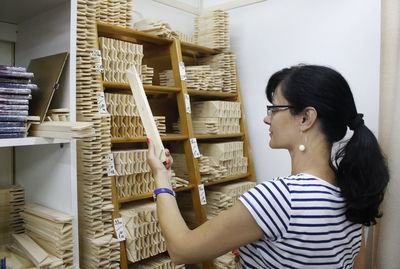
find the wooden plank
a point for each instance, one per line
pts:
(125, 88)
(218, 136)
(227, 179)
(212, 95)
(35, 253)
(145, 113)
(168, 137)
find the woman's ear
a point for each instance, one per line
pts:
(308, 118)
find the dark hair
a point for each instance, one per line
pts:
(361, 170)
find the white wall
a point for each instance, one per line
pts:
(343, 34)
(177, 19)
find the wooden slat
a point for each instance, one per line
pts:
(243, 128)
(168, 137)
(149, 195)
(145, 113)
(227, 179)
(213, 94)
(124, 87)
(217, 136)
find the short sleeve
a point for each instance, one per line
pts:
(269, 204)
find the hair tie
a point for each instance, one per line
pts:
(356, 122)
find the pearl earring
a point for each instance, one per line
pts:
(302, 147)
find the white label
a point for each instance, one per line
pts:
(111, 167)
(182, 70)
(119, 229)
(195, 148)
(187, 103)
(96, 53)
(97, 58)
(202, 193)
(101, 100)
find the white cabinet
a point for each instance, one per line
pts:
(46, 168)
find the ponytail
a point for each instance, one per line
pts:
(362, 175)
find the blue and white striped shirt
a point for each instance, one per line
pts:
(304, 224)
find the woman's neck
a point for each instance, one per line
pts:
(315, 160)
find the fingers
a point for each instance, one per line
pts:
(154, 161)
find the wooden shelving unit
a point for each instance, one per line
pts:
(163, 53)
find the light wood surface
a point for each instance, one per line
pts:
(145, 112)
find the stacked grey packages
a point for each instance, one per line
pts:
(15, 93)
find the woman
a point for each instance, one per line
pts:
(310, 219)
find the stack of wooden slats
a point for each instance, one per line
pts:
(11, 204)
(228, 154)
(124, 115)
(24, 246)
(147, 74)
(133, 174)
(199, 77)
(98, 248)
(185, 38)
(51, 230)
(63, 129)
(161, 261)
(142, 231)
(58, 114)
(155, 27)
(222, 197)
(119, 56)
(212, 30)
(160, 123)
(226, 63)
(216, 117)
(117, 12)
(210, 170)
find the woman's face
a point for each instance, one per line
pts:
(283, 126)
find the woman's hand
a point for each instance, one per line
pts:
(160, 170)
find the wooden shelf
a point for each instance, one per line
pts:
(212, 136)
(212, 94)
(149, 195)
(124, 87)
(190, 49)
(168, 137)
(31, 141)
(130, 35)
(126, 34)
(227, 179)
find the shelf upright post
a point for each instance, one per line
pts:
(245, 137)
(187, 129)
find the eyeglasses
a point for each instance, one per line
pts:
(271, 109)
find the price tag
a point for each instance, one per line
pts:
(119, 229)
(195, 148)
(101, 101)
(182, 70)
(202, 193)
(187, 103)
(97, 57)
(96, 53)
(111, 167)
